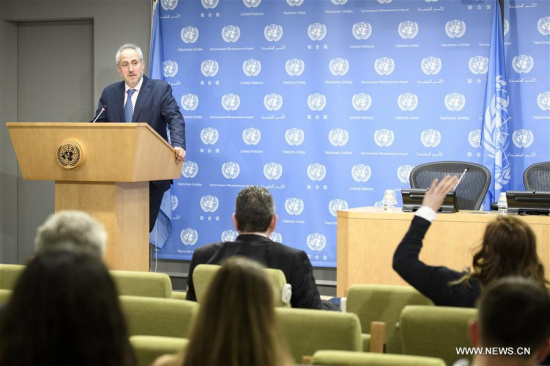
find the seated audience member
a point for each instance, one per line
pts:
(513, 326)
(64, 310)
(508, 249)
(66, 229)
(236, 324)
(255, 220)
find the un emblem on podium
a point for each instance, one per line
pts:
(231, 170)
(209, 203)
(338, 137)
(337, 204)
(474, 138)
(189, 236)
(431, 65)
(189, 102)
(70, 154)
(252, 67)
(361, 173)
(231, 33)
(251, 136)
(362, 31)
(478, 65)
(384, 137)
(189, 34)
(523, 138)
(190, 169)
(294, 136)
(430, 138)
(455, 28)
(317, 31)
(294, 206)
(209, 136)
(273, 171)
(316, 242)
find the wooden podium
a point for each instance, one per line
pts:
(103, 169)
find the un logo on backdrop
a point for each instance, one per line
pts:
(209, 68)
(455, 28)
(209, 203)
(407, 101)
(361, 173)
(543, 101)
(474, 138)
(229, 235)
(169, 4)
(316, 242)
(189, 236)
(277, 237)
(384, 65)
(385, 1)
(316, 101)
(543, 25)
(384, 137)
(294, 2)
(317, 31)
(430, 138)
(231, 33)
(173, 202)
(169, 68)
(431, 65)
(189, 102)
(294, 67)
(523, 64)
(273, 32)
(252, 67)
(231, 102)
(189, 34)
(408, 29)
(337, 204)
(273, 171)
(209, 4)
(478, 65)
(251, 136)
(506, 26)
(361, 31)
(455, 102)
(361, 101)
(339, 2)
(338, 66)
(230, 170)
(404, 172)
(190, 169)
(252, 3)
(522, 138)
(338, 137)
(294, 136)
(316, 172)
(209, 136)
(273, 101)
(294, 206)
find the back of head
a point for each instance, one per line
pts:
(509, 248)
(514, 312)
(236, 324)
(254, 209)
(64, 310)
(67, 229)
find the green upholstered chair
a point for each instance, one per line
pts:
(179, 295)
(307, 331)
(204, 273)
(148, 348)
(4, 296)
(158, 317)
(9, 273)
(149, 284)
(436, 331)
(346, 358)
(382, 303)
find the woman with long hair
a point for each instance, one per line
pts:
(64, 310)
(508, 248)
(236, 324)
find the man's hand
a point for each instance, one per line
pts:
(436, 194)
(180, 154)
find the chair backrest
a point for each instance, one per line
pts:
(204, 273)
(9, 273)
(436, 331)
(471, 190)
(4, 296)
(159, 317)
(537, 177)
(133, 283)
(307, 331)
(383, 303)
(346, 358)
(148, 348)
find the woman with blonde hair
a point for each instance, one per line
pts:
(236, 324)
(508, 248)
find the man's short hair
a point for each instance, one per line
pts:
(514, 312)
(126, 46)
(254, 209)
(69, 229)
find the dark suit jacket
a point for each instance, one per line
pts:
(155, 105)
(293, 262)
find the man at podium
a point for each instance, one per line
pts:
(140, 99)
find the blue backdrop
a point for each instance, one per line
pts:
(329, 103)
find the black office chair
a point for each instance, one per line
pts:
(471, 190)
(537, 177)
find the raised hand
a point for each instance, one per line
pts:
(436, 194)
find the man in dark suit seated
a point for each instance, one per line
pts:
(255, 220)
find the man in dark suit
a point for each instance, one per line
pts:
(255, 220)
(140, 99)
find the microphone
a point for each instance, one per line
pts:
(99, 114)
(459, 179)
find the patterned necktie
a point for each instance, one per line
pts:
(128, 107)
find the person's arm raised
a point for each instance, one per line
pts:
(438, 190)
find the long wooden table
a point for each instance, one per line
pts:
(367, 238)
